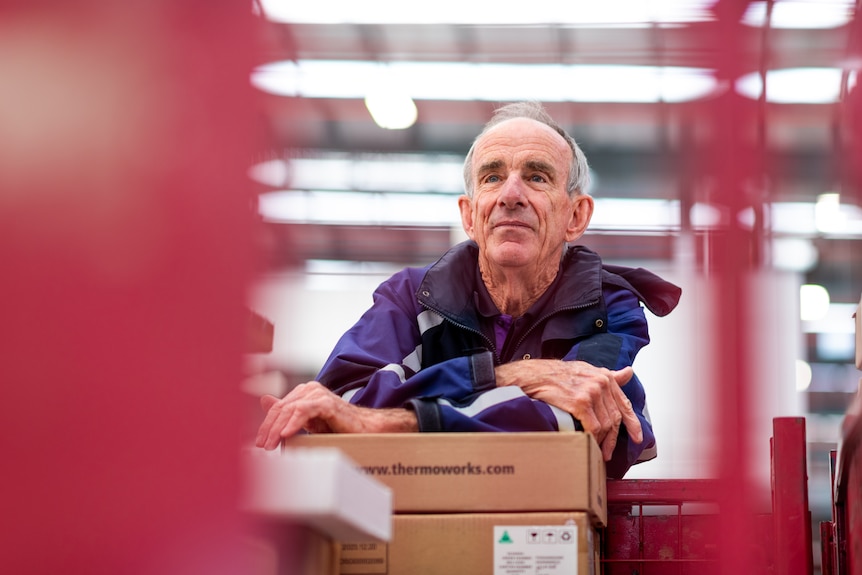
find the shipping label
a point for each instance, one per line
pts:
(534, 550)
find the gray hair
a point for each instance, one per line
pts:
(579, 171)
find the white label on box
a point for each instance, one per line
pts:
(522, 550)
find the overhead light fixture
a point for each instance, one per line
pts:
(428, 209)
(800, 14)
(828, 216)
(359, 208)
(388, 102)
(468, 81)
(794, 85)
(391, 111)
(794, 254)
(610, 13)
(272, 173)
(368, 175)
(813, 302)
(803, 375)
(392, 172)
(635, 214)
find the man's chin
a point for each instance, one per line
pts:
(511, 254)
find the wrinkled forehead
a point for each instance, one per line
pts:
(523, 135)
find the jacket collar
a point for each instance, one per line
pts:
(449, 284)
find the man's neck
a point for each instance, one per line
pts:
(515, 291)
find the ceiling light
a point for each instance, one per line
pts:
(441, 175)
(389, 208)
(359, 208)
(465, 81)
(793, 218)
(704, 216)
(803, 375)
(828, 216)
(505, 12)
(800, 14)
(391, 111)
(794, 85)
(431, 173)
(813, 302)
(794, 254)
(388, 103)
(272, 173)
(635, 214)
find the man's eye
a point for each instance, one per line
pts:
(492, 179)
(537, 178)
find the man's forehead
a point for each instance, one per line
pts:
(517, 132)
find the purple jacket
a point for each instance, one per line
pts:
(423, 345)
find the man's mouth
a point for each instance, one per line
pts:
(511, 224)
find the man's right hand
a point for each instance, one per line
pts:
(592, 395)
(314, 408)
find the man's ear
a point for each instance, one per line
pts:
(465, 204)
(582, 212)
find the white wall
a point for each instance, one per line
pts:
(675, 368)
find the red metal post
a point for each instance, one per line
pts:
(791, 517)
(734, 167)
(827, 548)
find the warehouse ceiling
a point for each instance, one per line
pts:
(638, 143)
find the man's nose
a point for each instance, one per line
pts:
(512, 192)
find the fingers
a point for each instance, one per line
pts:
(610, 443)
(273, 412)
(606, 410)
(287, 416)
(629, 417)
(606, 406)
(631, 421)
(594, 405)
(267, 401)
(612, 415)
(269, 433)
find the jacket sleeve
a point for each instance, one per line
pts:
(615, 349)
(376, 364)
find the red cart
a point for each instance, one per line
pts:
(671, 527)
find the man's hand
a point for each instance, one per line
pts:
(593, 395)
(313, 407)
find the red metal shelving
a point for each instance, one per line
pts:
(671, 527)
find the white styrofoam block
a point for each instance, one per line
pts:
(320, 487)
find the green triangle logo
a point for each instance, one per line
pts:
(505, 538)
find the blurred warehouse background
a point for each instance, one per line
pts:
(369, 108)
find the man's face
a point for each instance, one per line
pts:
(520, 213)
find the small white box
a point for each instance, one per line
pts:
(318, 487)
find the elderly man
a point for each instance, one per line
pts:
(513, 330)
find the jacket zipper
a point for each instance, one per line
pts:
(550, 315)
(497, 359)
(466, 328)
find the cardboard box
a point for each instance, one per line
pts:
(480, 544)
(479, 472)
(291, 550)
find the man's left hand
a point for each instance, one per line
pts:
(592, 395)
